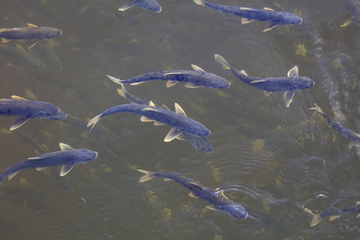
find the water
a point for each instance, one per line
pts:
(275, 159)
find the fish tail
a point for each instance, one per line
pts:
(93, 121)
(123, 92)
(317, 108)
(316, 219)
(115, 80)
(219, 59)
(200, 2)
(148, 175)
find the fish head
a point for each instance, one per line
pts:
(85, 155)
(290, 19)
(235, 210)
(150, 5)
(198, 129)
(50, 32)
(214, 81)
(57, 114)
(303, 83)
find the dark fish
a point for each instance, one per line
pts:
(250, 14)
(31, 32)
(289, 84)
(150, 113)
(354, 8)
(150, 5)
(193, 79)
(19, 56)
(217, 199)
(333, 213)
(25, 110)
(351, 135)
(67, 157)
(198, 142)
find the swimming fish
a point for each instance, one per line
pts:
(19, 56)
(217, 199)
(31, 32)
(333, 213)
(198, 142)
(250, 14)
(351, 135)
(178, 120)
(194, 79)
(354, 8)
(25, 110)
(67, 157)
(151, 5)
(289, 84)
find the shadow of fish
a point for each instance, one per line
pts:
(67, 158)
(351, 135)
(19, 56)
(150, 5)
(25, 110)
(194, 79)
(198, 142)
(30, 32)
(217, 199)
(250, 14)
(289, 84)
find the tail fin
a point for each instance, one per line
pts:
(93, 121)
(148, 175)
(219, 59)
(200, 2)
(123, 92)
(317, 108)
(115, 80)
(316, 217)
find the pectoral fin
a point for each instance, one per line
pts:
(171, 83)
(157, 123)
(288, 97)
(173, 133)
(5, 40)
(10, 176)
(197, 68)
(146, 119)
(269, 27)
(293, 72)
(181, 136)
(40, 168)
(193, 85)
(193, 195)
(334, 217)
(246, 20)
(65, 147)
(179, 110)
(126, 6)
(65, 169)
(33, 44)
(18, 123)
(212, 207)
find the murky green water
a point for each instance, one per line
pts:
(275, 159)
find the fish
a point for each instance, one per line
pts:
(216, 198)
(250, 14)
(194, 79)
(160, 116)
(26, 109)
(354, 8)
(333, 213)
(30, 32)
(198, 142)
(150, 5)
(289, 84)
(19, 56)
(349, 134)
(67, 158)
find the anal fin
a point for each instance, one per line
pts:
(193, 195)
(18, 123)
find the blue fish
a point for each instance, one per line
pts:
(150, 113)
(194, 79)
(25, 110)
(250, 14)
(333, 213)
(198, 142)
(66, 158)
(150, 5)
(351, 135)
(289, 84)
(217, 199)
(31, 32)
(354, 8)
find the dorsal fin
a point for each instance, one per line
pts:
(197, 68)
(17, 98)
(293, 72)
(30, 25)
(220, 193)
(151, 104)
(65, 147)
(179, 110)
(270, 9)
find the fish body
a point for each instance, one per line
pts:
(354, 8)
(350, 134)
(198, 142)
(178, 120)
(249, 14)
(334, 213)
(19, 56)
(25, 110)
(31, 32)
(193, 79)
(289, 84)
(66, 158)
(150, 5)
(217, 199)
